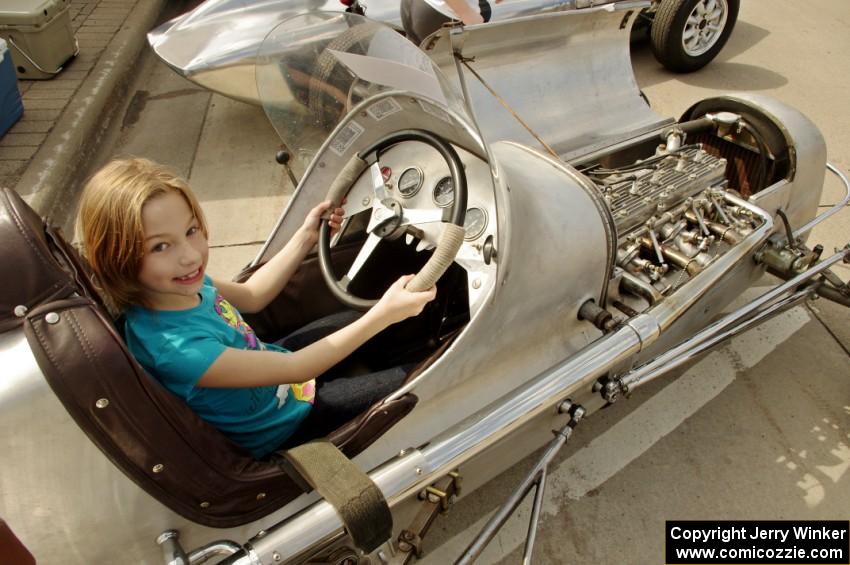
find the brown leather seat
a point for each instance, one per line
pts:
(11, 548)
(151, 435)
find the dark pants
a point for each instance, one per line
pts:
(420, 20)
(340, 396)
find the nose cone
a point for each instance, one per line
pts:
(215, 45)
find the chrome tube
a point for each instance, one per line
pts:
(662, 363)
(212, 549)
(821, 217)
(535, 478)
(639, 377)
(172, 551)
(489, 426)
(319, 524)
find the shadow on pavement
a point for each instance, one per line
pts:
(721, 74)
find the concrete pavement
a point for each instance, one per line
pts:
(45, 155)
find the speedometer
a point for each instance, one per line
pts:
(474, 224)
(410, 182)
(444, 192)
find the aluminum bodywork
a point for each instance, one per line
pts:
(215, 45)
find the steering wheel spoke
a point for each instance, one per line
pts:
(362, 256)
(358, 199)
(415, 216)
(379, 191)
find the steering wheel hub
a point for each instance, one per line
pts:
(386, 219)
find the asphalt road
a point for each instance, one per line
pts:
(759, 429)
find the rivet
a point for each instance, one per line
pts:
(158, 468)
(205, 505)
(21, 311)
(276, 556)
(476, 283)
(102, 403)
(418, 470)
(51, 318)
(366, 201)
(261, 496)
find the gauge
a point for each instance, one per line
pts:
(444, 192)
(474, 224)
(410, 182)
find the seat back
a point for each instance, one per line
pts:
(147, 432)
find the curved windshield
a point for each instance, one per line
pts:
(314, 68)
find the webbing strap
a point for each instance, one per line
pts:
(357, 499)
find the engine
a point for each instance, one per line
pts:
(671, 218)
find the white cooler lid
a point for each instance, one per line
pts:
(29, 12)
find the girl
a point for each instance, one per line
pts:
(145, 237)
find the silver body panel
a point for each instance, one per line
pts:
(215, 45)
(573, 85)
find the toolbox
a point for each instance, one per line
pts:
(39, 36)
(11, 107)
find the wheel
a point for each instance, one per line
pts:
(390, 219)
(687, 34)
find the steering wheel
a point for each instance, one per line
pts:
(389, 219)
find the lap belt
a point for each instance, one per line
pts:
(356, 498)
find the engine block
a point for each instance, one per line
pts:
(637, 192)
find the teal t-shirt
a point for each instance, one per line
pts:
(177, 347)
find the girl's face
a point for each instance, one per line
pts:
(176, 252)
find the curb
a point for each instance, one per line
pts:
(51, 181)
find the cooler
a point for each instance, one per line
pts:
(39, 36)
(10, 98)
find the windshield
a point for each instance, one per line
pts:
(314, 68)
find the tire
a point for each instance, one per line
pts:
(676, 18)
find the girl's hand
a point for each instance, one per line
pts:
(310, 228)
(398, 303)
(472, 18)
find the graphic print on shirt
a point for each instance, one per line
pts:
(230, 315)
(305, 392)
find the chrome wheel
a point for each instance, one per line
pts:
(704, 26)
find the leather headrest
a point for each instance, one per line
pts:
(34, 273)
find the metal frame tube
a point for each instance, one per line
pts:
(212, 549)
(639, 377)
(535, 478)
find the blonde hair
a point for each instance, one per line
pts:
(109, 223)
